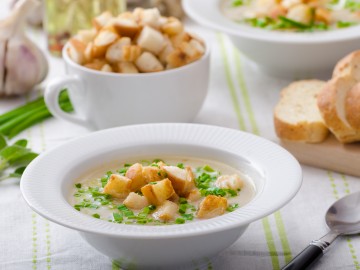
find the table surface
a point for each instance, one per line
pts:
(240, 97)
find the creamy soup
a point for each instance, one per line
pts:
(294, 15)
(168, 191)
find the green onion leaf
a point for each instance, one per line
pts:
(180, 221)
(96, 215)
(232, 207)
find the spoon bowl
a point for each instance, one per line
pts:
(342, 218)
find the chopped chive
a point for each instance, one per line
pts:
(232, 207)
(118, 217)
(78, 185)
(207, 168)
(180, 221)
(96, 215)
(180, 165)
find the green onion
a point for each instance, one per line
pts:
(96, 215)
(118, 217)
(232, 207)
(237, 3)
(341, 24)
(78, 185)
(180, 165)
(188, 216)
(17, 120)
(180, 221)
(293, 23)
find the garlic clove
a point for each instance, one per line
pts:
(23, 64)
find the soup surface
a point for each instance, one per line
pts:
(294, 15)
(175, 190)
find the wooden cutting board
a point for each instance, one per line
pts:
(330, 155)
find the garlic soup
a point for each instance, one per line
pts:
(175, 190)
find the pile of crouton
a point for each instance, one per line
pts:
(162, 186)
(135, 42)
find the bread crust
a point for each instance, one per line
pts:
(345, 65)
(352, 107)
(302, 131)
(327, 100)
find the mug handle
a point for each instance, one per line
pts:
(52, 93)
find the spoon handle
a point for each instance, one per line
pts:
(310, 254)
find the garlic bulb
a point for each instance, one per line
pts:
(22, 63)
(35, 17)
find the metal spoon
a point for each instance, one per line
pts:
(343, 218)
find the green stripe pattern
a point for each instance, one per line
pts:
(336, 196)
(254, 128)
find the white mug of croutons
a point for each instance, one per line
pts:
(135, 68)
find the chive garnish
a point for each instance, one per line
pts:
(96, 215)
(180, 221)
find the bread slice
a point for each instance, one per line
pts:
(348, 66)
(352, 107)
(340, 112)
(297, 116)
(331, 102)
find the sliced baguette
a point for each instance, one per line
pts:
(340, 112)
(331, 102)
(352, 107)
(297, 116)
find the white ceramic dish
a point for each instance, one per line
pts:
(104, 100)
(47, 181)
(292, 55)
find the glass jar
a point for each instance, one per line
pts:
(63, 18)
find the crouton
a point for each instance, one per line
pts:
(193, 50)
(130, 52)
(194, 195)
(118, 186)
(106, 37)
(126, 27)
(150, 17)
(96, 64)
(152, 174)
(176, 58)
(166, 212)
(233, 182)
(114, 53)
(158, 192)
(176, 40)
(92, 51)
(172, 27)
(166, 51)
(106, 68)
(76, 50)
(212, 206)
(101, 20)
(135, 173)
(151, 40)
(181, 179)
(147, 62)
(127, 67)
(86, 36)
(135, 201)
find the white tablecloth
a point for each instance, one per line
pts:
(240, 97)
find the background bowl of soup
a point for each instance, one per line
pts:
(270, 169)
(287, 54)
